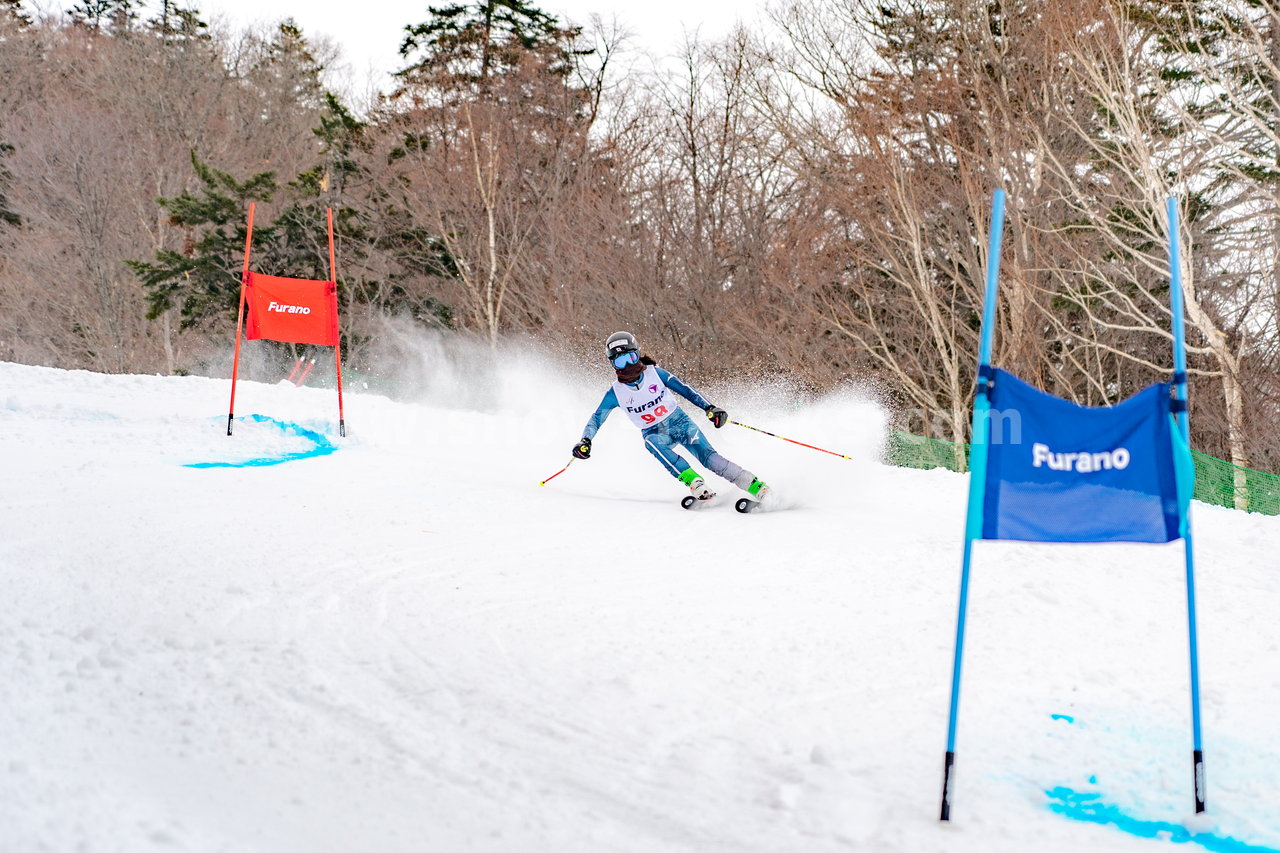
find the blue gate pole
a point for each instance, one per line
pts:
(1184, 426)
(977, 482)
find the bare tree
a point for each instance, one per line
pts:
(1229, 53)
(894, 146)
(1149, 141)
(90, 157)
(717, 199)
(497, 175)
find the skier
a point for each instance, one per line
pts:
(642, 390)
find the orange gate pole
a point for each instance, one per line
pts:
(337, 345)
(244, 278)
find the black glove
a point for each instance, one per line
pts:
(582, 450)
(719, 417)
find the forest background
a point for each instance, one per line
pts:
(809, 203)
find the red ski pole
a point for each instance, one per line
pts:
(556, 474)
(792, 440)
(296, 368)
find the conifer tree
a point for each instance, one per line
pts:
(203, 278)
(11, 12)
(492, 143)
(179, 23)
(13, 24)
(291, 67)
(116, 15)
(8, 216)
(464, 45)
(1219, 101)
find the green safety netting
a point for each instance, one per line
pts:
(1218, 482)
(1221, 483)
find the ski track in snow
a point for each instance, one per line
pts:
(408, 645)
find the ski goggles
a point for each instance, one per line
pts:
(621, 361)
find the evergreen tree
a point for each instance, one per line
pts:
(367, 222)
(203, 278)
(1220, 102)
(178, 24)
(465, 45)
(13, 24)
(490, 119)
(11, 13)
(8, 216)
(117, 15)
(291, 68)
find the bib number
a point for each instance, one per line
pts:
(654, 416)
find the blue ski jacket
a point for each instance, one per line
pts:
(610, 401)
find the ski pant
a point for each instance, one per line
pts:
(679, 429)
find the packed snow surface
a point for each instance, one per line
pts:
(398, 641)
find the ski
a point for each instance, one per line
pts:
(746, 505)
(690, 502)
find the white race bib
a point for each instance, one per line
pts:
(651, 403)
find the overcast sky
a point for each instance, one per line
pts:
(369, 40)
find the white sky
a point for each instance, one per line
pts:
(370, 40)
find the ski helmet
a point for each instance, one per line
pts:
(620, 342)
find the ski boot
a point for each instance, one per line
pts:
(757, 489)
(698, 487)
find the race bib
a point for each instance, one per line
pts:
(649, 404)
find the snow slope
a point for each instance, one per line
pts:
(408, 645)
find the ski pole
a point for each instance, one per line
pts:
(556, 474)
(296, 368)
(792, 440)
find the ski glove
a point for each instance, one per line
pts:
(582, 450)
(719, 417)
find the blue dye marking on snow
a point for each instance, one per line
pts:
(320, 446)
(1069, 719)
(1089, 807)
